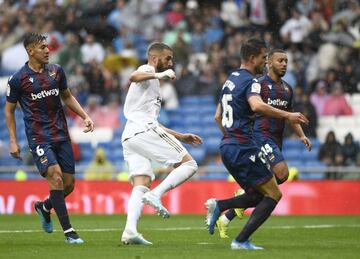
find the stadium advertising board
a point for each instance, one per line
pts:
(111, 197)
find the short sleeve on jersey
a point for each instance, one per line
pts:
(146, 68)
(253, 88)
(13, 90)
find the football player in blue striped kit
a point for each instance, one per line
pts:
(39, 88)
(245, 160)
(268, 132)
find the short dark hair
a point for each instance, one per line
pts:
(273, 51)
(158, 46)
(252, 46)
(33, 38)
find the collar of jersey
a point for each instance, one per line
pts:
(30, 71)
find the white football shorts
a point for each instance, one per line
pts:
(154, 144)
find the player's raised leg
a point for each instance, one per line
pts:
(184, 171)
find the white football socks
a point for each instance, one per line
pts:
(176, 177)
(135, 206)
(224, 219)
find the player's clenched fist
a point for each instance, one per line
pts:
(167, 74)
(89, 125)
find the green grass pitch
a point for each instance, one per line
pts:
(182, 236)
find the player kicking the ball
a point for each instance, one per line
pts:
(145, 140)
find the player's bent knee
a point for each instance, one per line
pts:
(282, 178)
(192, 165)
(68, 188)
(56, 181)
(276, 195)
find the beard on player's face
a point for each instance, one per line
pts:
(279, 72)
(259, 69)
(160, 66)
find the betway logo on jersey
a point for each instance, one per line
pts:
(45, 93)
(277, 102)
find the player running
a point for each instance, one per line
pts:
(268, 132)
(240, 99)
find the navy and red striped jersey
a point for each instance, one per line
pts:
(38, 96)
(237, 116)
(278, 95)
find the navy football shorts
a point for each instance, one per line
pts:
(271, 151)
(46, 155)
(246, 164)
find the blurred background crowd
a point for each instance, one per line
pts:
(100, 42)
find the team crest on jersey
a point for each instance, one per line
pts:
(31, 79)
(43, 160)
(52, 74)
(286, 88)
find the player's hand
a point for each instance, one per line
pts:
(15, 150)
(191, 139)
(306, 142)
(89, 125)
(297, 117)
(167, 74)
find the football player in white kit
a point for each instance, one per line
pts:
(145, 140)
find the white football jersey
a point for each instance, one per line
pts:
(142, 105)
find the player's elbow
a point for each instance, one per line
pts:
(135, 77)
(256, 107)
(217, 118)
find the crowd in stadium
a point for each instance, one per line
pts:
(100, 42)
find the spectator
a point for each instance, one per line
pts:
(70, 54)
(92, 50)
(336, 103)
(95, 79)
(198, 42)
(176, 14)
(92, 107)
(319, 97)
(100, 168)
(329, 149)
(350, 149)
(296, 28)
(186, 84)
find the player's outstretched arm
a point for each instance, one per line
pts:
(187, 138)
(11, 126)
(218, 118)
(138, 76)
(70, 101)
(257, 105)
(300, 133)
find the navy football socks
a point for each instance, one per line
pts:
(58, 203)
(243, 201)
(47, 204)
(261, 213)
